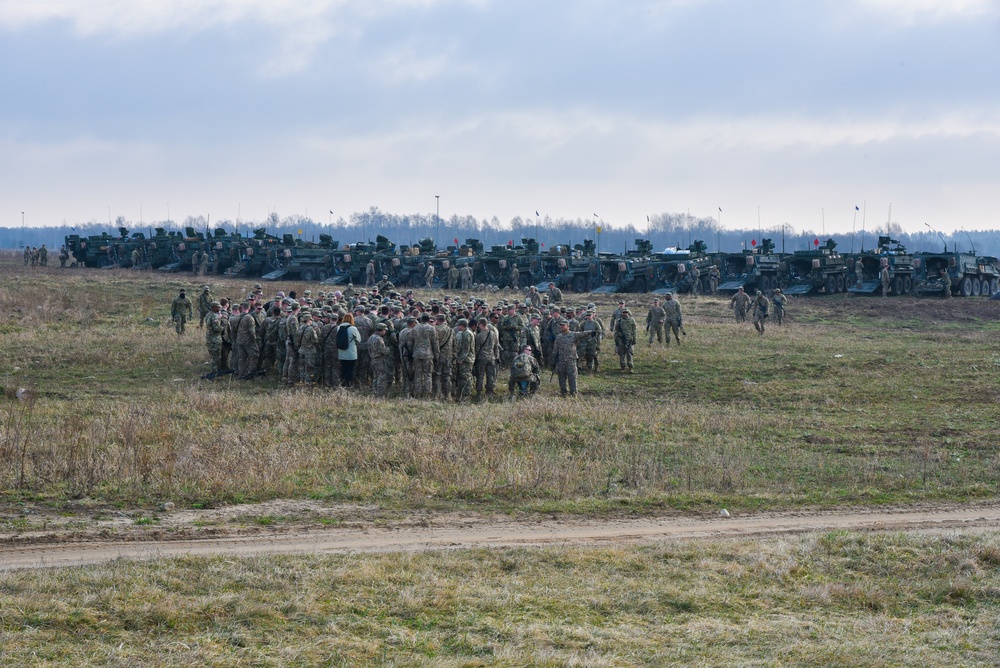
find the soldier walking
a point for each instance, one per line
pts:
(779, 301)
(740, 303)
(760, 309)
(672, 308)
(655, 319)
(181, 312)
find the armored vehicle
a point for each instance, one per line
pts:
(672, 269)
(755, 269)
(809, 270)
(971, 275)
(628, 272)
(894, 258)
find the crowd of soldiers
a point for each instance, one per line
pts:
(445, 349)
(36, 257)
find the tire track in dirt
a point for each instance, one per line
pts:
(502, 532)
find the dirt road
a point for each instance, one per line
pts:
(454, 531)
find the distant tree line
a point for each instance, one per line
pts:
(664, 230)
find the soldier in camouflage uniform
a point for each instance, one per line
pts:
(487, 353)
(515, 277)
(946, 280)
(425, 353)
(740, 303)
(859, 272)
(884, 278)
(308, 346)
(524, 369)
(453, 276)
(672, 308)
(214, 325)
(465, 358)
(760, 311)
(465, 275)
(429, 275)
(591, 347)
(654, 322)
(290, 372)
(234, 328)
(511, 329)
(328, 346)
(381, 361)
(695, 282)
(625, 337)
(406, 355)
(269, 350)
(555, 294)
(204, 304)
(181, 312)
(445, 358)
(779, 305)
(249, 348)
(565, 356)
(365, 327)
(713, 279)
(227, 343)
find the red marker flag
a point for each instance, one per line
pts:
(456, 240)
(815, 242)
(753, 242)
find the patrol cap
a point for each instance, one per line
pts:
(440, 317)
(258, 286)
(381, 327)
(306, 315)
(205, 287)
(410, 319)
(463, 322)
(759, 292)
(625, 310)
(777, 290)
(214, 304)
(316, 313)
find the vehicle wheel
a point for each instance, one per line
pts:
(580, 284)
(764, 284)
(994, 286)
(965, 287)
(639, 285)
(840, 283)
(323, 275)
(897, 285)
(308, 274)
(977, 287)
(526, 281)
(830, 285)
(907, 285)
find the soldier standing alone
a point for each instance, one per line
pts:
(181, 312)
(625, 335)
(565, 357)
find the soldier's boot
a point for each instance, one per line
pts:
(630, 370)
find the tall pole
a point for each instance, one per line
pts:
(437, 219)
(864, 216)
(854, 226)
(168, 213)
(22, 228)
(719, 236)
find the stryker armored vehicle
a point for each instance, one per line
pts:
(752, 270)
(820, 269)
(671, 270)
(971, 275)
(626, 273)
(895, 259)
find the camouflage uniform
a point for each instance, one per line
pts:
(453, 276)
(515, 277)
(713, 279)
(485, 368)
(695, 281)
(269, 345)
(465, 274)
(309, 351)
(425, 354)
(381, 362)
(859, 272)
(524, 368)
(213, 339)
(181, 312)
(565, 359)
(625, 337)
(290, 372)
(591, 348)
(227, 342)
(331, 360)
(465, 358)
(429, 275)
(249, 348)
(203, 268)
(204, 300)
(884, 277)
(406, 356)
(946, 280)
(511, 330)
(365, 327)
(673, 323)
(443, 365)
(654, 323)
(740, 303)
(779, 306)
(760, 309)
(235, 343)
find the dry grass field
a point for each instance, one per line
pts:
(856, 401)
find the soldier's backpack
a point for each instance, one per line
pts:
(343, 337)
(520, 368)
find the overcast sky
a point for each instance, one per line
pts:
(802, 108)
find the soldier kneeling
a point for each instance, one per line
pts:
(524, 374)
